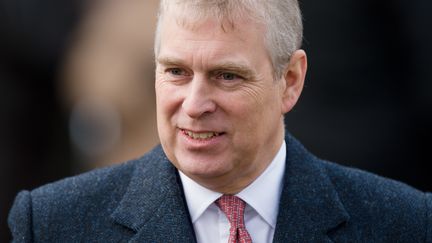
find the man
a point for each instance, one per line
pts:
(227, 72)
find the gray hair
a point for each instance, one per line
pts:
(282, 18)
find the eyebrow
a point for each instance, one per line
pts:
(238, 68)
(168, 61)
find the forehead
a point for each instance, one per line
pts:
(216, 36)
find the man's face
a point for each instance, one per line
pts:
(219, 111)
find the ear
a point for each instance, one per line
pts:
(293, 80)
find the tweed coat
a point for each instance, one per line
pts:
(143, 201)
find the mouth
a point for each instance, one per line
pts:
(201, 135)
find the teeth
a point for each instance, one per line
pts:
(203, 135)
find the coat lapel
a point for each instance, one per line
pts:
(310, 209)
(153, 205)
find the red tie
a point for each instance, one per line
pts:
(234, 207)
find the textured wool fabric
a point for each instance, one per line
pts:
(234, 207)
(142, 201)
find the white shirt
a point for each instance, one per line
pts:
(262, 204)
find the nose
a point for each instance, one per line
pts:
(198, 100)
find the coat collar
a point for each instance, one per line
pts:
(153, 205)
(310, 209)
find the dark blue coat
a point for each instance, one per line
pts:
(143, 201)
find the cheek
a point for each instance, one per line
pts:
(167, 100)
(164, 116)
(245, 117)
(255, 117)
(252, 105)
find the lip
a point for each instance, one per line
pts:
(200, 143)
(198, 130)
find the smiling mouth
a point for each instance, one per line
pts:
(201, 135)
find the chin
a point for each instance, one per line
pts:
(204, 170)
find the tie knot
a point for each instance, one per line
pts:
(233, 207)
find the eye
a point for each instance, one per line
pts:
(176, 71)
(228, 76)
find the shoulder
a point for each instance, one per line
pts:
(380, 206)
(86, 186)
(73, 205)
(104, 182)
(354, 204)
(352, 183)
(353, 186)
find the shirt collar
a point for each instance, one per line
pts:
(268, 185)
(198, 198)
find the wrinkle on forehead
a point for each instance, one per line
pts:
(216, 44)
(225, 25)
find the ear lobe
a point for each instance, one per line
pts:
(293, 79)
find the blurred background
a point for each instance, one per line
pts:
(76, 88)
